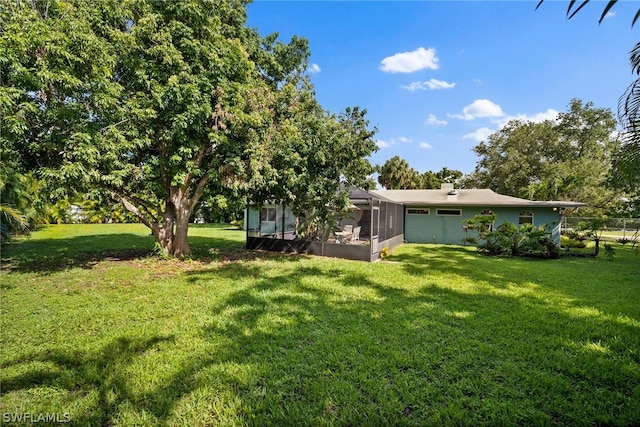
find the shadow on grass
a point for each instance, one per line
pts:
(303, 342)
(52, 255)
(391, 356)
(103, 373)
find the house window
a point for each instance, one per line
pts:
(421, 211)
(525, 217)
(268, 214)
(449, 212)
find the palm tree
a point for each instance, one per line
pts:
(572, 9)
(628, 162)
(11, 219)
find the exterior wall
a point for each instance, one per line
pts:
(433, 228)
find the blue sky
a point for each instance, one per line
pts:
(438, 77)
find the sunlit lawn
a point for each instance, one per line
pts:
(95, 328)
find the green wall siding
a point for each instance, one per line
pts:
(435, 228)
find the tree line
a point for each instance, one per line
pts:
(573, 157)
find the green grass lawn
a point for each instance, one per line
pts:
(95, 329)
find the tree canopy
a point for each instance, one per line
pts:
(160, 104)
(569, 158)
(396, 174)
(627, 158)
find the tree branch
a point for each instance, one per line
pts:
(134, 209)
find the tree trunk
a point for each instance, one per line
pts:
(165, 235)
(171, 230)
(180, 240)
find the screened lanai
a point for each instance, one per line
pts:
(371, 223)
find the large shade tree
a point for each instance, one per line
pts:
(161, 103)
(566, 159)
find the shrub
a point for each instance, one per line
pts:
(510, 240)
(570, 243)
(609, 250)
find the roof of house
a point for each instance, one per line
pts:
(358, 195)
(466, 197)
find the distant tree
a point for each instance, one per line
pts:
(568, 159)
(396, 174)
(627, 159)
(164, 103)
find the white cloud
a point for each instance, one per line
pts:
(425, 145)
(550, 114)
(433, 120)
(393, 141)
(432, 84)
(610, 15)
(314, 69)
(479, 135)
(408, 62)
(478, 109)
(483, 133)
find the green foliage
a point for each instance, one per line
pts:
(164, 104)
(524, 241)
(569, 159)
(626, 162)
(609, 250)
(627, 159)
(482, 224)
(396, 174)
(571, 240)
(593, 229)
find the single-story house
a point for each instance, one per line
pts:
(435, 216)
(380, 219)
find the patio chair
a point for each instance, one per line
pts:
(355, 236)
(345, 235)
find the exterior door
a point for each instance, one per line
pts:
(375, 224)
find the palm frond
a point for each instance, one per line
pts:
(13, 219)
(606, 10)
(571, 4)
(634, 58)
(629, 108)
(572, 10)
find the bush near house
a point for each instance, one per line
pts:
(524, 240)
(510, 239)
